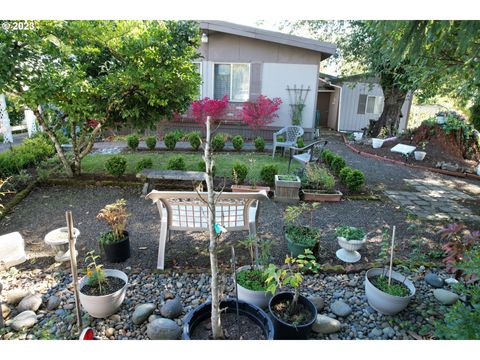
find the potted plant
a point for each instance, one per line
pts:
(115, 243)
(357, 135)
(251, 278)
(319, 185)
(388, 291)
(420, 155)
(252, 177)
(102, 291)
(300, 236)
(287, 188)
(293, 314)
(378, 141)
(351, 239)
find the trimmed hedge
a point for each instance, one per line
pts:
(268, 172)
(344, 174)
(239, 172)
(177, 163)
(133, 142)
(145, 163)
(237, 142)
(151, 142)
(260, 144)
(116, 165)
(337, 164)
(194, 139)
(218, 142)
(355, 181)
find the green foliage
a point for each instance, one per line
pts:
(171, 138)
(252, 279)
(300, 142)
(116, 165)
(151, 142)
(2, 138)
(267, 174)
(218, 142)
(239, 172)
(259, 144)
(395, 288)
(95, 273)
(237, 142)
(195, 139)
(177, 163)
(337, 164)
(302, 235)
(344, 174)
(318, 178)
(355, 181)
(133, 142)
(202, 167)
(475, 114)
(350, 232)
(296, 214)
(145, 163)
(327, 157)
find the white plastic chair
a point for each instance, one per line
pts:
(291, 134)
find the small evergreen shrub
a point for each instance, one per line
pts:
(145, 163)
(151, 142)
(176, 163)
(237, 142)
(133, 142)
(259, 144)
(170, 139)
(267, 174)
(218, 142)
(201, 167)
(344, 174)
(239, 172)
(355, 181)
(194, 139)
(300, 142)
(116, 165)
(328, 157)
(337, 164)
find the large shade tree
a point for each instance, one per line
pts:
(83, 76)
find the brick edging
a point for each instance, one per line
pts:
(435, 170)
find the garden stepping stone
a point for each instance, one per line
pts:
(172, 309)
(433, 280)
(53, 303)
(445, 297)
(30, 302)
(326, 325)
(23, 320)
(317, 301)
(451, 281)
(16, 295)
(142, 312)
(163, 329)
(340, 308)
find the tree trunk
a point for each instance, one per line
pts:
(215, 318)
(394, 98)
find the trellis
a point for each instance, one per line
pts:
(297, 97)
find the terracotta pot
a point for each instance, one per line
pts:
(316, 196)
(249, 189)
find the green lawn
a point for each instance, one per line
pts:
(223, 161)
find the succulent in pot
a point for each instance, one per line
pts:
(102, 291)
(299, 231)
(115, 243)
(350, 239)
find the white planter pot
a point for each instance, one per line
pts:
(385, 303)
(258, 298)
(440, 120)
(106, 305)
(357, 136)
(419, 155)
(478, 169)
(349, 249)
(377, 143)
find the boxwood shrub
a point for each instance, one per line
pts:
(176, 163)
(151, 142)
(194, 139)
(268, 172)
(218, 142)
(170, 139)
(237, 142)
(344, 174)
(145, 163)
(116, 165)
(355, 181)
(260, 144)
(133, 142)
(239, 172)
(337, 164)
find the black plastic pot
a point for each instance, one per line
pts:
(202, 312)
(286, 331)
(118, 252)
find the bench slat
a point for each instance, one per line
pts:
(171, 175)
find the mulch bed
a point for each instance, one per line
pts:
(249, 330)
(110, 285)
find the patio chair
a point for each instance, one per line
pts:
(290, 133)
(307, 154)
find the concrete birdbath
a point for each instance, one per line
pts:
(58, 240)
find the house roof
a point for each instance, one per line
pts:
(325, 48)
(364, 78)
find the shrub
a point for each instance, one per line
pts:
(201, 167)
(2, 138)
(176, 163)
(116, 165)
(318, 178)
(133, 142)
(218, 142)
(268, 172)
(260, 144)
(344, 174)
(237, 142)
(260, 112)
(145, 163)
(355, 180)
(239, 172)
(328, 157)
(194, 139)
(208, 107)
(170, 139)
(151, 142)
(300, 142)
(337, 164)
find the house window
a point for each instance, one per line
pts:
(370, 104)
(231, 80)
(198, 66)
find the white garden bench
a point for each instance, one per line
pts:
(186, 211)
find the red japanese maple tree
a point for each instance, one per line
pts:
(261, 112)
(208, 107)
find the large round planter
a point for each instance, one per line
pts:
(204, 311)
(106, 305)
(257, 298)
(377, 143)
(385, 303)
(419, 155)
(478, 169)
(286, 331)
(118, 252)
(296, 249)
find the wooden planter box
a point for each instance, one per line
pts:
(249, 189)
(318, 196)
(286, 191)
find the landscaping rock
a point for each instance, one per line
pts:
(168, 295)
(24, 320)
(340, 308)
(326, 325)
(30, 302)
(142, 312)
(388, 331)
(5, 310)
(317, 301)
(153, 317)
(445, 297)
(16, 295)
(53, 303)
(433, 280)
(451, 281)
(376, 333)
(163, 329)
(172, 309)
(110, 332)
